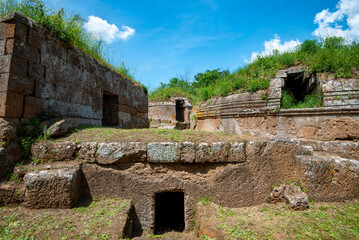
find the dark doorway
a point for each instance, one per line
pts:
(180, 110)
(110, 110)
(299, 84)
(169, 212)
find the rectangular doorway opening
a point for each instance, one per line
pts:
(110, 110)
(169, 212)
(180, 110)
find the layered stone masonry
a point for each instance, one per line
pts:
(40, 74)
(238, 113)
(154, 152)
(338, 95)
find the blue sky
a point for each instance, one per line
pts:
(161, 39)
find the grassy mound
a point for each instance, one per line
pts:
(332, 55)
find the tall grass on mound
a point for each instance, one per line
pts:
(66, 27)
(165, 94)
(332, 55)
(311, 100)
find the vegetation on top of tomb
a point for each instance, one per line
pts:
(332, 55)
(108, 134)
(67, 27)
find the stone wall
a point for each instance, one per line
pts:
(261, 111)
(165, 112)
(39, 74)
(235, 174)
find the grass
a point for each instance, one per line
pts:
(311, 100)
(69, 28)
(332, 55)
(99, 220)
(104, 134)
(276, 221)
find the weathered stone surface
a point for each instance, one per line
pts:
(308, 132)
(163, 152)
(88, 150)
(341, 128)
(327, 177)
(50, 77)
(11, 194)
(7, 132)
(52, 188)
(212, 152)
(62, 127)
(54, 151)
(237, 152)
(188, 152)
(13, 152)
(292, 194)
(113, 153)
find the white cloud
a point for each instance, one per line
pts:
(329, 23)
(101, 29)
(274, 44)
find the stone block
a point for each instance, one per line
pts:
(27, 52)
(21, 33)
(7, 30)
(62, 127)
(18, 65)
(61, 151)
(5, 63)
(35, 70)
(7, 132)
(188, 152)
(70, 95)
(308, 132)
(212, 152)
(11, 194)
(343, 128)
(2, 46)
(124, 116)
(11, 105)
(34, 107)
(34, 39)
(88, 150)
(73, 110)
(114, 153)
(9, 46)
(44, 89)
(52, 188)
(127, 109)
(22, 85)
(163, 152)
(237, 152)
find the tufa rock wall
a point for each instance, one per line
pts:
(40, 74)
(338, 119)
(233, 173)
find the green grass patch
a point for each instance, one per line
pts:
(311, 100)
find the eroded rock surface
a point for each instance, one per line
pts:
(52, 188)
(342, 128)
(292, 195)
(62, 127)
(113, 153)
